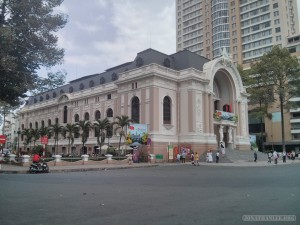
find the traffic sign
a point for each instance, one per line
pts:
(44, 140)
(2, 139)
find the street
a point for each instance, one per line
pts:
(175, 194)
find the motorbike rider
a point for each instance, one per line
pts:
(36, 158)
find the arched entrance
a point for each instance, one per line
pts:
(224, 91)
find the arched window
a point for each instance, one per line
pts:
(36, 125)
(23, 127)
(76, 118)
(97, 115)
(43, 124)
(30, 125)
(135, 109)
(167, 110)
(86, 116)
(109, 113)
(65, 114)
(49, 123)
(56, 120)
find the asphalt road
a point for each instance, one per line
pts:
(183, 194)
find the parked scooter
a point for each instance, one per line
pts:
(40, 167)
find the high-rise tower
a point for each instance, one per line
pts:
(246, 28)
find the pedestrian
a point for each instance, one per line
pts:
(210, 157)
(178, 158)
(255, 156)
(222, 148)
(269, 157)
(275, 157)
(284, 156)
(196, 159)
(192, 159)
(217, 156)
(183, 156)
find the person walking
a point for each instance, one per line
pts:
(275, 157)
(196, 159)
(192, 159)
(269, 157)
(210, 157)
(284, 156)
(178, 158)
(183, 156)
(217, 156)
(255, 156)
(222, 148)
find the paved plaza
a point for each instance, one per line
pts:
(152, 194)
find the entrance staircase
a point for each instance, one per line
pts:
(236, 155)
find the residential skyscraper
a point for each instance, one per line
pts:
(246, 28)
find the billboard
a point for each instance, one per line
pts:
(137, 133)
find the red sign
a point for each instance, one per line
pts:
(2, 139)
(44, 140)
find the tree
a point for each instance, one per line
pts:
(261, 97)
(69, 132)
(101, 126)
(28, 139)
(35, 135)
(53, 81)
(122, 123)
(55, 130)
(27, 43)
(85, 127)
(279, 71)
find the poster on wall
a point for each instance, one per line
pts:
(185, 149)
(170, 152)
(138, 133)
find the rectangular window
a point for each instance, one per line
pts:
(108, 96)
(277, 29)
(275, 5)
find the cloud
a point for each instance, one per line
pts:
(106, 33)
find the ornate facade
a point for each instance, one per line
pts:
(184, 99)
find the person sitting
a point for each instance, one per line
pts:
(36, 158)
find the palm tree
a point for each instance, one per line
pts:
(122, 123)
(84, 126)
(69, 132)
(28, 139)
(101, 126)
(35, 135)
(55, 130)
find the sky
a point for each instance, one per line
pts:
(105, 33)
(101, 34)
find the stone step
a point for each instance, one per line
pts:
(236, 155)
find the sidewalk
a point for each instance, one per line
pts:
(12, 169)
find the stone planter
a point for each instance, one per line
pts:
(12, 157)
(109, 157)
(57, 158)
(152, 158)
(25, 160)
(85, 158)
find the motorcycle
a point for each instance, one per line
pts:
(40, 167)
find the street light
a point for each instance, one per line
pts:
(19, 132)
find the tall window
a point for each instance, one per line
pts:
(109, 113)
(49, 123)
(36, 125)
(56, 120)
(97, 115)
(65, 114)
(167, 110)
(76, 118)
(135, 109)
(43, 124)
(86, 116)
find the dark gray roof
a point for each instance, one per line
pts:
(177, 61)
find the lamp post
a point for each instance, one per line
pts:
(19, 151)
